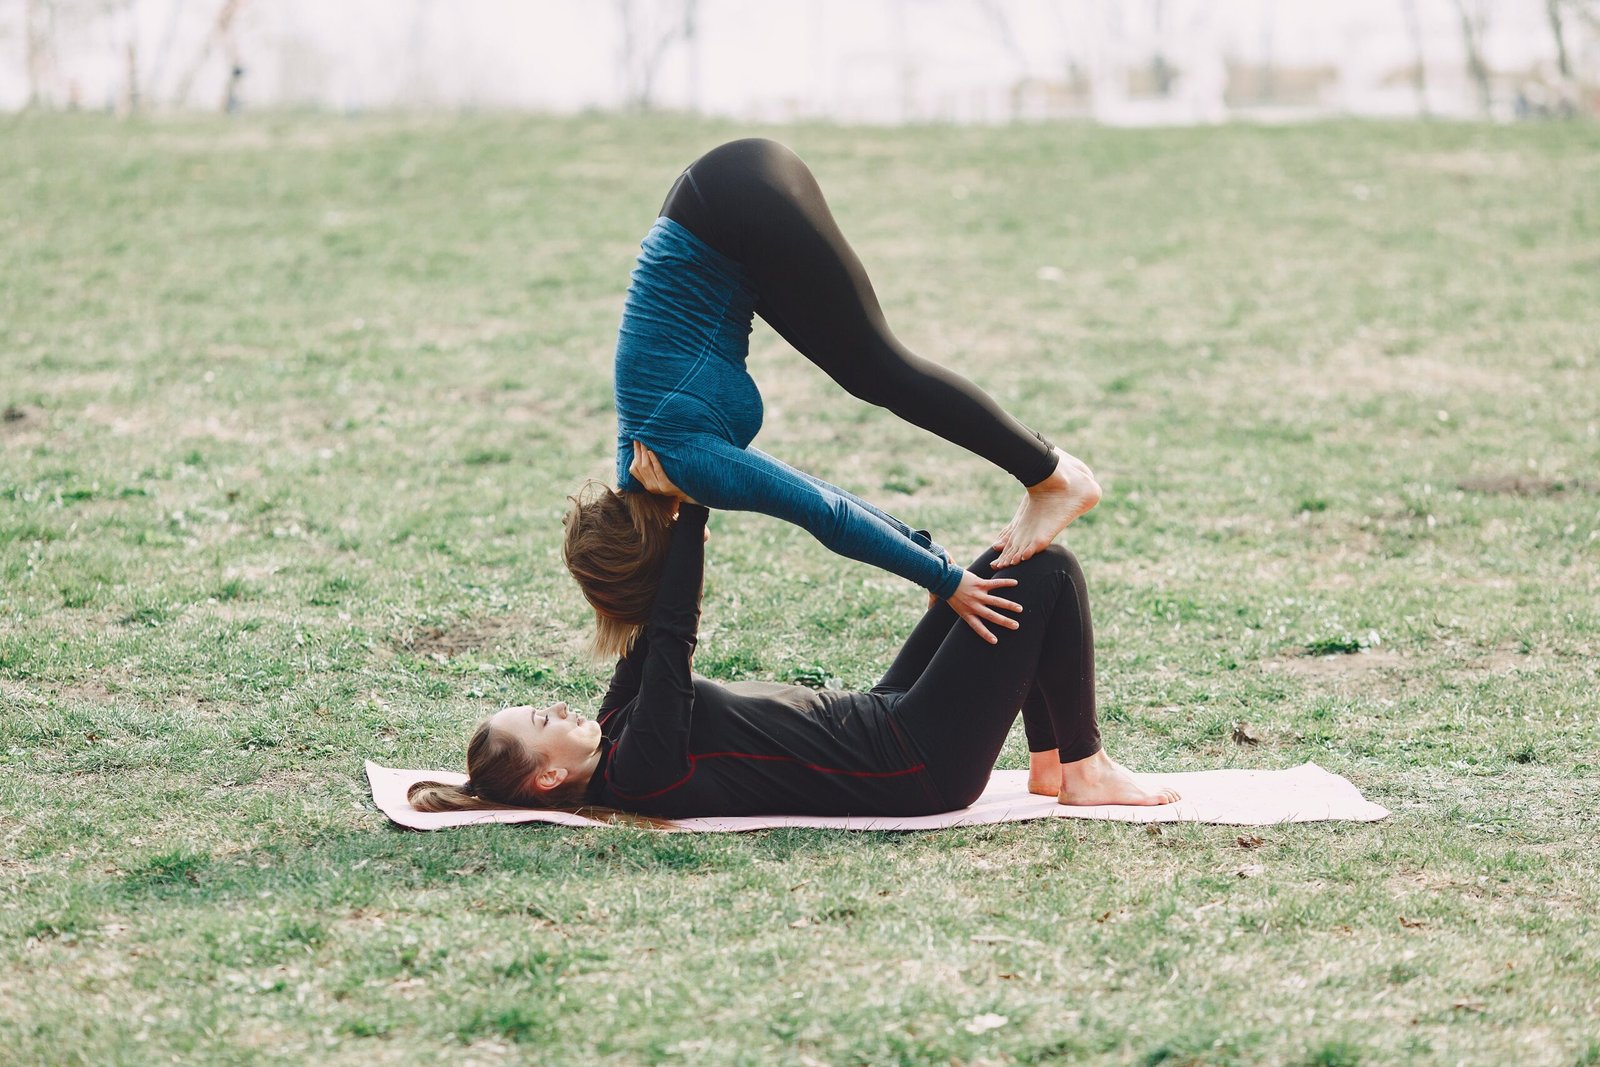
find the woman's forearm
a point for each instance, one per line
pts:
(653, 750)
(720, 475)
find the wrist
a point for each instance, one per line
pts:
(949, 583)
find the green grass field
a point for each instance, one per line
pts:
(292, 406)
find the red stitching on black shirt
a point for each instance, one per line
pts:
(694, 759)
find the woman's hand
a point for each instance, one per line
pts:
(647, 469)
(976, 604)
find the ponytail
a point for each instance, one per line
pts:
(440, 796)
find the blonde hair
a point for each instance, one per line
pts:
(615, 548)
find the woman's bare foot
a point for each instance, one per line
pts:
(1046, 510)
(1100, 779)
(1044, 773)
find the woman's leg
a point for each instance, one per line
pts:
(757, 203)
(962, 695)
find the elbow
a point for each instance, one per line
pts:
(834, 523)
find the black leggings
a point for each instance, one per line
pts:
(961, 694)
(755, 202)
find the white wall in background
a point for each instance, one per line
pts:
(851, 60)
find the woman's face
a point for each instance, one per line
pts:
(562, 737)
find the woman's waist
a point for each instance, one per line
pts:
(664, 357)
(680, 445)
(678, 298)
(707, 396)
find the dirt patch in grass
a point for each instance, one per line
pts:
(1384, 673)
(1526, 485)
(447, 642)
(1376, 672)
(14, 416)
(22, 424)
(91, 692)
(1502, 661)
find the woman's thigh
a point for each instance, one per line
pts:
(757, 203)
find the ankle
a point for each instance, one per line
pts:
(1058, 480)
(1088, 765)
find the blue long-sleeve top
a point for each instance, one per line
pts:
(682, 390)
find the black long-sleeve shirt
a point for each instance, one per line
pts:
(677, 744)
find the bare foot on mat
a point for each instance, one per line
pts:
(1102, 780)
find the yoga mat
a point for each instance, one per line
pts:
(1306, 793)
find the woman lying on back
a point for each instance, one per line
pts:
(667, 742)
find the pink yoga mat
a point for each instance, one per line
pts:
(1306, 793)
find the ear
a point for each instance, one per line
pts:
(549, 778)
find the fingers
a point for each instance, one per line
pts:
(983, 589)
(987, 609)
(647, 469)
(984, 603)
(1009, 605)
(980, 629)
(980, 609)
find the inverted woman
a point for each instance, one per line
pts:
(666, 742)
(745, 231)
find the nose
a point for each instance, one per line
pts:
(559, 709)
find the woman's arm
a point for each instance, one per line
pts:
(652, 755)
(625, 677)
(720, 475)
(747, 479)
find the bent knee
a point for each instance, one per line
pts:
(1051, 559)
(1061, 553)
